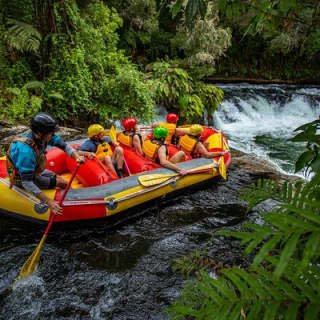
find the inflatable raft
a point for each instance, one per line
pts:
(98, 193)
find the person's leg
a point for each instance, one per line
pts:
(49, 180)
(178, 157)
(108, 162)
(117, 157)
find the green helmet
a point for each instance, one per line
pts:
(160, 132)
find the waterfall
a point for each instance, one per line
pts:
(258, 119)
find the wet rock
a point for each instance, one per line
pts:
(7, 134)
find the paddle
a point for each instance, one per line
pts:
(157, 178)
(222, 167)
(31, 264)
(113, 137)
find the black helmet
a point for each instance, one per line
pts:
(43, 122)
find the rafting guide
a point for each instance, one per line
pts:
(26, 159)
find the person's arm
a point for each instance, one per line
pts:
(89, 155)
(52, 204)
(166, 163)
(200, 148)
(57, 141)
(182, 131)
(29, 185)
(137, 145)
(114, 143)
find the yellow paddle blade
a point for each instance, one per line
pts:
(156, 178)
(154, 182)
(222, 169)
(31, 264)
(113, 134)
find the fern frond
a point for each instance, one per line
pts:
(56, 95)
(257, 294)
(23, 36)
(34, 85)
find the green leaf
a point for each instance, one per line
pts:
(312, 311)
(311, 249)
(252, 282)
(176, 8)
(292, 311)
(257, 238)
(221, 285)
(56, 95)
(235, 313)
(255, 311)
(303, 160)
(202, 8)
(314, 123)
(266, 248)
(34, 85)
(286, 253)
(240, 284)
(306, 289)
(285, 5)
(308, 214)
(287, 222)
(271, 310)
(191, 10)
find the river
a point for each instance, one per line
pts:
(120, 269)
(259, 119)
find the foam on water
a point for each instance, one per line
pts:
(259, 119)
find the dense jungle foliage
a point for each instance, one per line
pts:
(98, 60)
(283, 280)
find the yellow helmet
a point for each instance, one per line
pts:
(94, 129)
(196, 130)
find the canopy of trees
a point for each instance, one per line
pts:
(97, 60)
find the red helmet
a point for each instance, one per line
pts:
(129, 123)
(172, 118)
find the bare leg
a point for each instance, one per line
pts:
(108, 162)
(178, 157)
(118, 157)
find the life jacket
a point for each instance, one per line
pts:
(171, 127)
(104, 150)
(150, 149)
(126, 138)
(188, 144)
(13, 172)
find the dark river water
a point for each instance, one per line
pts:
(119, 269)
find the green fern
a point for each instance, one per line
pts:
(56, 95)
(23, 36)
(283, 281)
(34, 85)
(256, 294)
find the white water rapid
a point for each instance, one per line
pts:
(258, 119)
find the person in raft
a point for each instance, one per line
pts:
(98, 146)
(156, 149)
(26, 160)
(130, 137)
(191, 144)
(171, 126)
